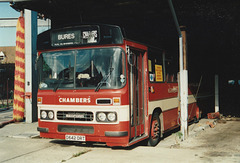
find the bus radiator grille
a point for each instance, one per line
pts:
(75, 116)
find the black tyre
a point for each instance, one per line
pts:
(155, 130)
(196, 120)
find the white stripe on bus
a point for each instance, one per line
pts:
(122, 112)
(167, 104)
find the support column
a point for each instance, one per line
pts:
(216, 94)
(183, 79)
(183, 84)
(30, 72)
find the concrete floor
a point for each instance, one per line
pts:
(19, 142)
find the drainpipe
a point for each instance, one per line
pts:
(7, 92)
(216, 94)
(183, 86)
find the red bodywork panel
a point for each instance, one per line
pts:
(81, 97)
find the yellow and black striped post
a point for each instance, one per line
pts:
(19, 78)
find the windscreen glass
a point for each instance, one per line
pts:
(101, 68)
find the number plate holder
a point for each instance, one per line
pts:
(75, 138)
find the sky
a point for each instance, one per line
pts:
(7, 12)
(8, 34)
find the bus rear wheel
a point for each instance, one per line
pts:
(155, 130)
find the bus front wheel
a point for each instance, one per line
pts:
(155, 130)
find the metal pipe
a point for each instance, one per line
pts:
(174, 17)
(183, 87)
(216, 94)
(180, 54)
(7, 92)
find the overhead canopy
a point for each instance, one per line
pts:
(86, 10)
(188, 11)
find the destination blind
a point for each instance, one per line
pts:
(75, 36)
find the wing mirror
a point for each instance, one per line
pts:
(131, 58)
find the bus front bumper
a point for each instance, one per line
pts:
(107, 133)
(112, 135)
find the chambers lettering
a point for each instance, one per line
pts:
(68, 36)
(74, 100)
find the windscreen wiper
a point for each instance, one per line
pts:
(57, 86)
(104, 79)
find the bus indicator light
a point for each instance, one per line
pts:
(116, 101)
(39, 100)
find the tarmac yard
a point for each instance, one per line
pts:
(19, 142)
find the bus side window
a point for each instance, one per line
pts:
(155, 66)
(171, 70)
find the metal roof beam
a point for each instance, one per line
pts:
(12, 22)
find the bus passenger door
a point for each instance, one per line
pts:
(136, 77)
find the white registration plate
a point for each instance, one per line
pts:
(75, 138)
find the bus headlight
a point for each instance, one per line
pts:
(46, 114)
(43, 114)
(101, 116)
(50, 115)
(112, 117)
(106, 116)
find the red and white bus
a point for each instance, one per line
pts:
(97, 86)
